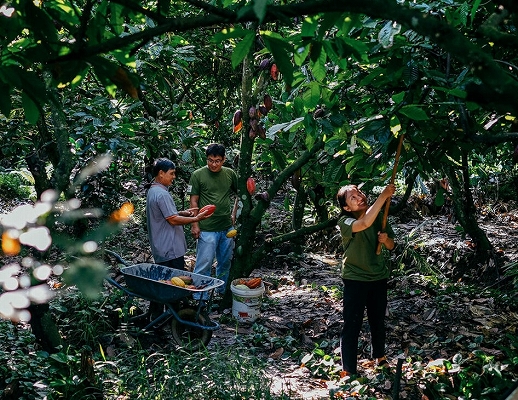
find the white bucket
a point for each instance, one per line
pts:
(246, 304)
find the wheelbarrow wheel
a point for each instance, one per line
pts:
(191, 337)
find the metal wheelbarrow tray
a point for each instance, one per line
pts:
(144, 280)
(190, 327)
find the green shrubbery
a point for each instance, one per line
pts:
(16, 185)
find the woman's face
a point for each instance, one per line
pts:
(355, 200)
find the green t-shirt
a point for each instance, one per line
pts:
(214, 188)
(360, 261)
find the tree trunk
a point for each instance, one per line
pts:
(465, 210)
(298, 216)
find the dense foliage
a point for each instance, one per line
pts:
(324, 91)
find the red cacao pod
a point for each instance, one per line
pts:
(250, 185)
(274, 72)
(209, 207)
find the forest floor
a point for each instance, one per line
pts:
(440, 307)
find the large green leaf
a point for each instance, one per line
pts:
(32, 113)
(414, 112)
(260, 9)
(242, 49)
(116, 18)
(281, 51)
(312, 95)
(318, 64)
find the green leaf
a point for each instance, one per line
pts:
(281, 52)
(439, 197)
(312, 95)
(398, 97)
(318, 67)
(280, 158)
(229, 33)
(308, 28)
(300, 55)
(116, 18)
(32, 113)
(242, 49)
(285, 126)
(387, 33)
(414, 112)
(355, 47)
(327, 22)
(333, 55)
(476, 5)
(260, 9)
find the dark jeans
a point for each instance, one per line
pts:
(156, 309)
(359, 295)
(176, 263)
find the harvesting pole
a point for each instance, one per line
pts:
(392, 179)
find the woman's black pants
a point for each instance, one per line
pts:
(359, 295)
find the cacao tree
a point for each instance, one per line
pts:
(345, 78)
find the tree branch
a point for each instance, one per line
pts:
(497, 84)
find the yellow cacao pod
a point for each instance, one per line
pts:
(231, 233)
(177, 281)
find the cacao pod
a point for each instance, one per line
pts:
(264, 64)
(254, 283)
(237, 121)
(274, 72)
(242, 287)
(250, 185)
(296, 179)
(177, 281)
(264, 196)
(231, 233)
(262, 110)
(209, 207)
(251, 134)
(238, 127)
(252, 112)
(186, 279)
(268, 102)
(253, 124)
(319, 113)
(261, 132)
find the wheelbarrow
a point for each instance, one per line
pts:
(191, 326)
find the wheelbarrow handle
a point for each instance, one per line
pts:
(117, 257)
(119, 286)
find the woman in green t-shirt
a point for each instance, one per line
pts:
(364, 273)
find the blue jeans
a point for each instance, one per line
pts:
(214, 245)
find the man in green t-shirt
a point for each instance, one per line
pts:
(214, 184)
